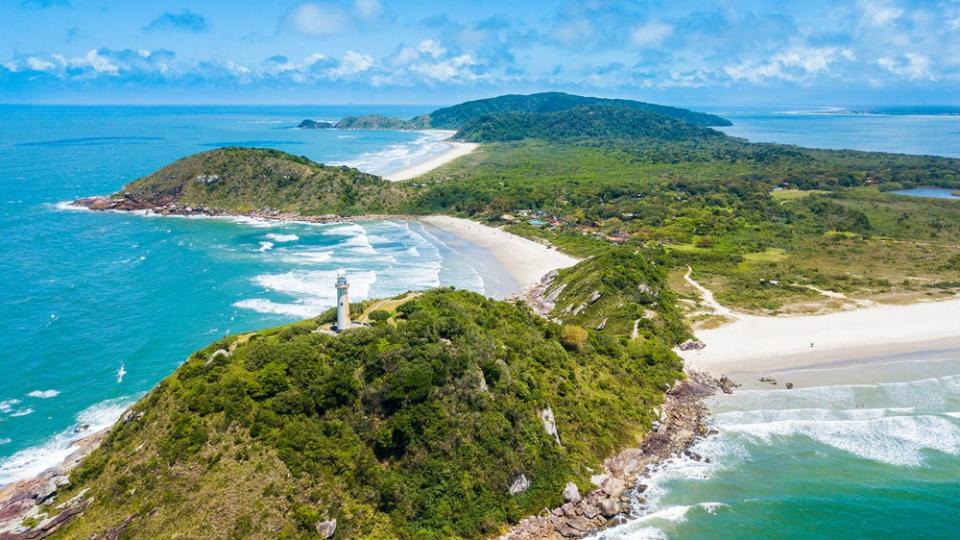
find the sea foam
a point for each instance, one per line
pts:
(30, 462)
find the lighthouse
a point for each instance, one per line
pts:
(343, 303)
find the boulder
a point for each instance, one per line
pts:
(571, 493)
(519, 485)
(609, 508)
(550, 424)
(613, 487)
(326, 529)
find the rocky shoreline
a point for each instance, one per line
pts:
(168, 206)
(683, 421)
(25, 506)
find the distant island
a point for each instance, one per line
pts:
(454, 415)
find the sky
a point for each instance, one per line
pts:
(811, 52)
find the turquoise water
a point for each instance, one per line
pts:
(85, 293)
(858, 461)
(933, 193)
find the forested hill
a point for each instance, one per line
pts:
(599, 121)
(458, 116)
(245, 180)
(415, 428)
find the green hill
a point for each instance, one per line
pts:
(458, 116)
(373, 121)
(602, 121)
(244, 180)
(414, 428)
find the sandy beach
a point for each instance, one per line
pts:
(527, 261)
(869, 344)
(456, 149)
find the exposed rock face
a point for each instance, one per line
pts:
(519, 485)
(682, 422)
(550, 424)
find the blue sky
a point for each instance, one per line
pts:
(390, 51)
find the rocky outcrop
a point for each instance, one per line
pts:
(23, 500)
(519, 485)
(682, 422)
(550, 424)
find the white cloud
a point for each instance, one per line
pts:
(352, 64)
(450, 70)
(317, 19)
(650, 34)
(879, 13)
(796, 64)
(368, 9)
(95, 61)
(913, 66)
(37, 64)
(431, 47)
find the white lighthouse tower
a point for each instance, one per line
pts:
(343, 303)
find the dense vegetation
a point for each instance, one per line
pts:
(616, 291)
(597, 122)
(254, 179)
(414, 428)
(458, 116)
(732, 210)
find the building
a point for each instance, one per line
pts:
(343, 303)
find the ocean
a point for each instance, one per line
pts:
(86, 293)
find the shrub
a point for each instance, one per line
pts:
(573, 337)
(379, 315)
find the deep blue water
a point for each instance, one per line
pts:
(86, 293)
(907, 130)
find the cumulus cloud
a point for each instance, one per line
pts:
(352, 64)
(796, 65)
(913, 66)
(649, 34)
(183, 20)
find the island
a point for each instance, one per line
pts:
(454, 415)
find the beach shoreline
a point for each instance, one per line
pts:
(527, 261)
(867, 345)
(455, 150)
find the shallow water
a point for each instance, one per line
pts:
(85, 293)
(932, 193)
(850, 461)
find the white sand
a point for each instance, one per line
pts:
(457, 149)
(527, 261)
(753, 344)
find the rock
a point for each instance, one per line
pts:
(519, 485)
(591, 511)
(609, 508)
(550, 424)
(692, 345)
(789, 386)
(613, 487)
(603, 324)
(726, 385)
(594, 297)
(326, 529)
(570, 492)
